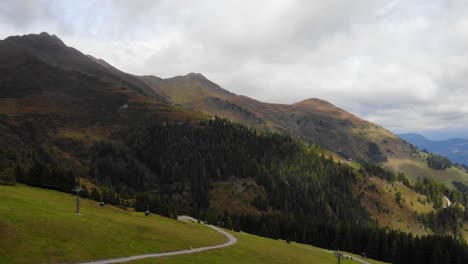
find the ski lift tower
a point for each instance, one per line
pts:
(77, 189)
(338, 255)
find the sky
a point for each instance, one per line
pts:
(400, 64)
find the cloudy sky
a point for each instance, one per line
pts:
(401, 64)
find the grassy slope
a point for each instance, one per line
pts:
(39, 225)
(416, 168)
(255, 249)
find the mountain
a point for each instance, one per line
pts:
(50, 50)
(313, 120)
(55, 98)
(456, 149)
(55, 93)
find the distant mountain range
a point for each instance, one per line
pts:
(456, 149)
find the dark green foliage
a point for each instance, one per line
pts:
(36, 168)
(114, 165)
(399, 200)
(174, 158)
(402, 178)
(308, 196)
(438, 162)
(50, 176)
(311, 185)
(372, 169)
(95, 195)
(110, 196)
(446, 220)
(374, 153)
(433, 190)
(460, 187)
(7, 167)
(7, 176)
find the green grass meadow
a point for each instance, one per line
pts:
(40, 226)
(414, 168)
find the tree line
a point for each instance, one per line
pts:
(35, 168)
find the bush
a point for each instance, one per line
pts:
(438, 162)
(7, 177)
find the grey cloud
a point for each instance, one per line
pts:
(21, 13)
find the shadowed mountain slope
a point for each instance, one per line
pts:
(55, 98)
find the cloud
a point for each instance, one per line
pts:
(401, 64)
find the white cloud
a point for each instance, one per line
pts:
(402, 64)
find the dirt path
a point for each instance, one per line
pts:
(231, 241)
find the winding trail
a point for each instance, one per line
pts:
(231, 241)
(448, 201)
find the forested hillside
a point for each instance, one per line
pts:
(309, 197)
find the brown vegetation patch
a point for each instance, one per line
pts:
(235, 196)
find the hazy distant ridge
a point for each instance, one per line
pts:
(456, 149)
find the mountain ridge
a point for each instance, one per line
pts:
(312, 120)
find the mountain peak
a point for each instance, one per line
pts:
(196, 75)
(314, 102)
(41, 39)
